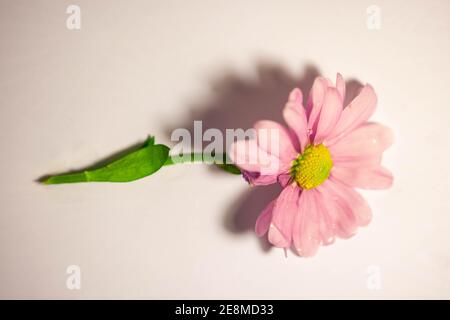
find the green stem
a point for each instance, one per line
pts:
(200, 158)
(193, 158)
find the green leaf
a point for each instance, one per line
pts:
(149, 142)
(135, 165)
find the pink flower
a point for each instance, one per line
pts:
(326, 152)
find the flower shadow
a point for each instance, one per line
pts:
(238, 102)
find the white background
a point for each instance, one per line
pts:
(69, 98)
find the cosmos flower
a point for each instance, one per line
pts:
(326, 151)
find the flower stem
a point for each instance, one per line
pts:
(192, 158)
(200, 158)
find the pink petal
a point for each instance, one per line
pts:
(249, 157)
(315, 100)
(370, 139)
(256, 179)
(277, 238)
(266, 130)
(356, 162)
(329, 114)
(353, 202)
(306, 234)
(327, 227)
(295, 116)
(284, 211)
(340, 85)
(263, 221)
(372, 177)
(285, 179)
(342, 219)
(355, 114)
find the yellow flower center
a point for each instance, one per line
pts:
(313, 167)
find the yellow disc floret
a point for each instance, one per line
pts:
(312, 167)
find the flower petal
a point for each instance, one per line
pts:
(277, 238)
(342, 220)
(284, 211)
(340, 85)
(306, 234)
(329, 114)
(353, 202)
(295, 116)
(356, 113)
(284, 179)
(249, 157)
(275, 139)
(315, 100)
(256, 179)
(356, 162)
(367, 140)
(327, 227)
(372, 177)
(264, 219)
